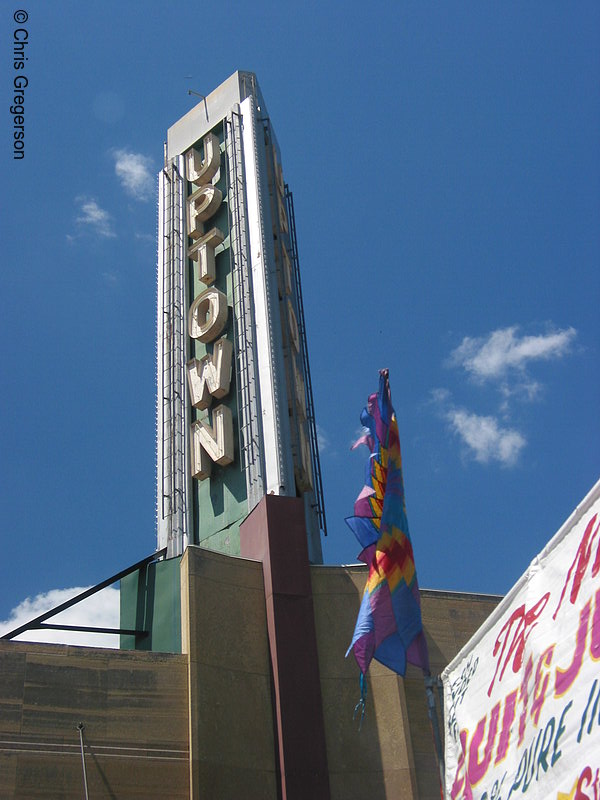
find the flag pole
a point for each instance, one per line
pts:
(430, 683)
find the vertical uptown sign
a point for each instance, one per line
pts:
(235, 415)
(209, 376)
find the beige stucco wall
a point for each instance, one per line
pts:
(224, 632)
(449, 621)
(376, 762)
(134, 709)
(393, 755)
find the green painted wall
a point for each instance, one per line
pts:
(151, 601)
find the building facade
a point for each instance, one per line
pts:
(231, 680)
(203, 723)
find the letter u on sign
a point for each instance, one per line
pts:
(203, 170)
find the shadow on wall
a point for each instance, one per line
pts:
(374, 761)
(107, 787)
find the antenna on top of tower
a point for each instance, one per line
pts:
(191, 91)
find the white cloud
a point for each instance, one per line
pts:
(90, 214)
(322, 440)
(99, 610)
(135, 173)
(485, 438)
(494, 356)
(501, 358)
(440, 396)
(111, 277)
(145, 237)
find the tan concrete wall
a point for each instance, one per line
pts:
(225, 635)
(449, 620)
(232, 740)
(133, 706)
(140, 714)
(393, 756)
(376, 762)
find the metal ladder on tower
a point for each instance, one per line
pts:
(173, 434)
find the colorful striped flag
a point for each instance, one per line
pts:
(389, 626)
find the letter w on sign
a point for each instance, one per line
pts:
(210, 376)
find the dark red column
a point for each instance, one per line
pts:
(275, 534)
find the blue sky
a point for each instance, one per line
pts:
(445, 168)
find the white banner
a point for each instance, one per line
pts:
(522, 698)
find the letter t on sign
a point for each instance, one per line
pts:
(203, 251)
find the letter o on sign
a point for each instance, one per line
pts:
(207, 315)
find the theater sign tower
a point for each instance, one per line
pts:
(235, 412)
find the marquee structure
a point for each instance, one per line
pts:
(235, 410)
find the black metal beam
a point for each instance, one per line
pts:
(34, 623)
(42, 626)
